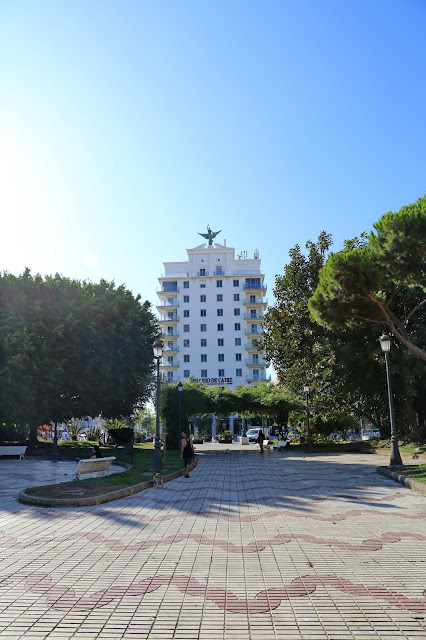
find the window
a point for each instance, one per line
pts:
(236, 312)
(202, 285)
(170, 344)
(238, 373)
(220, 342)
(220, 327)
(186, 313)
(204, 357)
(186, 343)
(219, 297)
(219, 271)
(202, 298)
(252, 299)
(186, 373)
(218, 283)
(169, 331)
(203, 327)
(253, 283)
(170, 359)
(237, 326)
(202, 272)
(238, 357)
(170, 376)
(170, 315)
(238, 342)
(170, 286)
(203, 313)
(253, 328)
(255, 374)
(236, 283)
(255, 357)
(221, 373)
(221, 357)
(186, 358)
(186, 328)
(171, 301)
(253, 313)
(186, 284)
(220, 312)
(186, 298)
(236, 297)
(204, 373)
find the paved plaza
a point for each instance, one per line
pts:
(251, 546)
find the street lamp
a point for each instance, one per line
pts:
(306, 389)
(158, 353)
(385, 343)
(180, 389)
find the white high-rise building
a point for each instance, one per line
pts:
(211, 310)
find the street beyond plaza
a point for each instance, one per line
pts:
(280, 545)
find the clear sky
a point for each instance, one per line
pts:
(127, 126)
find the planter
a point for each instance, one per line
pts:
(197, 441)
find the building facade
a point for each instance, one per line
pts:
(211, 309)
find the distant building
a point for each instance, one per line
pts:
(211, 310)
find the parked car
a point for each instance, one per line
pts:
(253, 434)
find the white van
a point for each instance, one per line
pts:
(253, 433)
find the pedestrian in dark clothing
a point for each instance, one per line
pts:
(187, 452)
(260, 439)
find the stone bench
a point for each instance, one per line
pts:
(13, 450)
(96, 465)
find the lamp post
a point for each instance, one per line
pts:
(158, 353)
(306, 389)
(385, 343)
(180, 389)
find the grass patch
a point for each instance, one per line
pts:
(407, 448)
(415, 472)
(142, 464)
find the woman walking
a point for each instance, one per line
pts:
(187, 452)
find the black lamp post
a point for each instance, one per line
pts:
(180, 389)
(306, 389)
(385, 343)
(158, 353)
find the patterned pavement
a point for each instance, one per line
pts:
(252, 546)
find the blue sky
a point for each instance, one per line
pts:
(127, 127)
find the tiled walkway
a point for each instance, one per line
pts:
(252, 546)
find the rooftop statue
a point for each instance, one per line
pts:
(209, 235)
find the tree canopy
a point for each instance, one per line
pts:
(71, 348)
(380, 280)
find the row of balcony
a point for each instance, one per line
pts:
(246, 287)
(175, 364)
(175, 318)
(248, 347)
(174, 333)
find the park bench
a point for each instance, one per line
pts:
(13, 450)
(96, 465)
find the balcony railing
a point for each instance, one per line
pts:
(174, 364)
(168, 290)
(167, 319)
(257, 287)
(168, 305)
(256, 301)
(170, 334)
(261, 362)
(202, 273)
(250, 347)
(249, 316)
(251, 332)
(260, 378)
(174, 348)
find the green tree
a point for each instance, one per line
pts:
(380, 281)
(71, 348)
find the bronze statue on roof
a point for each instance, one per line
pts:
(209, 235)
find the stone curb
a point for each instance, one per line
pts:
(26, 498)
(419, 487)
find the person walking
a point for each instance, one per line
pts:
(186, 452)
(260, 439)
